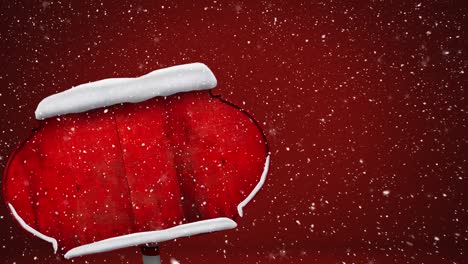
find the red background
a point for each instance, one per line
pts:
(355, 99)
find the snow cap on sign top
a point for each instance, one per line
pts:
(162, 82)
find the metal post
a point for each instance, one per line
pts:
(150, 254)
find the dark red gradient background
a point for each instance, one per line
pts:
(355, 99)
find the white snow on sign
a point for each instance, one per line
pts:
(256, 189)
(163, 82)
(184, 230)
(33, 231)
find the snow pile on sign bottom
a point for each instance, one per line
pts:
(190, 229)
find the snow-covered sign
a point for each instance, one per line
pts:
(130, 161)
